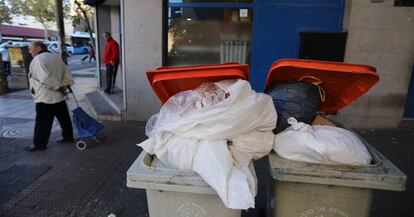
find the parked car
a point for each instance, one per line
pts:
(14, 43)
(54, 47)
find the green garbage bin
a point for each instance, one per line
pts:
(175, 193)
(314, 190)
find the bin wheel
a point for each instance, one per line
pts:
(81, 145)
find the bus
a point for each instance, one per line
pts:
(79, 42)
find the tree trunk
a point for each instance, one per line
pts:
(61, 29)
(88, 25)
(46, 35)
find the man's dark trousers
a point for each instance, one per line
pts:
(111, 71)
(45, 114)
(7, 67)
(92, 57)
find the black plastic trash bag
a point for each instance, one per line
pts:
(294, 99)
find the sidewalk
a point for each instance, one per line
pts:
(62, 181)
(398, 146)
(17, 109)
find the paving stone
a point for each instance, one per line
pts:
(80, 183)
(17, 177)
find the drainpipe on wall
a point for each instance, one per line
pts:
(97, 47)
(123, 56)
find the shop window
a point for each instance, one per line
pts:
(210, 1)
(404, 3)
(200, 32)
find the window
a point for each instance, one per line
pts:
(328, 46)
(402, 3)
(200, 32)
(210, 1)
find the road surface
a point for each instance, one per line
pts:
(75, 62)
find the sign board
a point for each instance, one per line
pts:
(16, 57)
(244, 13)
(15, 54)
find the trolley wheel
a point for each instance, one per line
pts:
(81, 145)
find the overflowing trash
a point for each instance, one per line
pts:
(320, 144)
(215, 130)
(218, 128)
(296, 99)
(214, 124)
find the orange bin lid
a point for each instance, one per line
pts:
(342, 82)
(167, 81)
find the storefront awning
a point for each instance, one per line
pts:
(19, 31)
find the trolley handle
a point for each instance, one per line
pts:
(73, 94)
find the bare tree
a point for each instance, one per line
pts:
(44, 11)
(84, 12)
(5, 13)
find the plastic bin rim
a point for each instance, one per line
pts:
(367, 72)
(298, 63)
(160, 75)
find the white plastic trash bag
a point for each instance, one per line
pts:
(193, 129)
(320, 144)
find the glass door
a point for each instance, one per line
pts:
(210, 32)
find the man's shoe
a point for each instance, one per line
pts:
(32, 148)
(65, 141)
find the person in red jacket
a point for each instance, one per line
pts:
(92, 55)
(111, 60)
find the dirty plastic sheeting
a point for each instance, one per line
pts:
(193, 129)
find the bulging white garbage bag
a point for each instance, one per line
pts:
(193, 130)
(320, 144)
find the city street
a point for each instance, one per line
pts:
(210, 89)
(75, 62)
(62, 181)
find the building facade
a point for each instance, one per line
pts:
(27, 27)
(155, 33)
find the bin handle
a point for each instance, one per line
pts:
(317, 82)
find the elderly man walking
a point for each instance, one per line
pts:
(6, 58)
(48, 75)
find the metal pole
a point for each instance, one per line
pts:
(123, 65)
(98, 46)
(61, 29)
